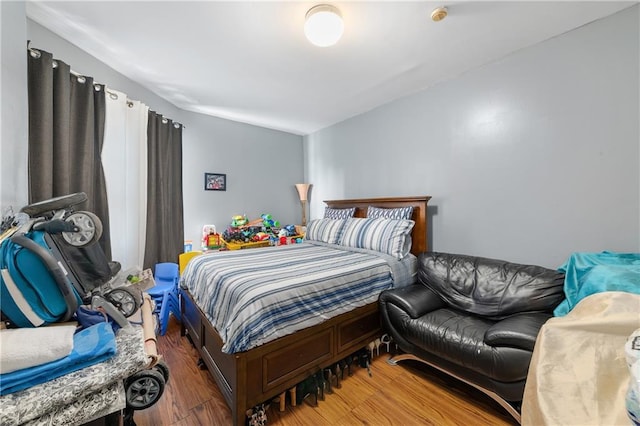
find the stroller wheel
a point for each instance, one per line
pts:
(144, 389)
(90, 229)
(163, 369)
(124, 300)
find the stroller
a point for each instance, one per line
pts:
(57, 246)
(51, 264)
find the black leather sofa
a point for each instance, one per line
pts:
(474, 318)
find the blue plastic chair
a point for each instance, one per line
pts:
(165, 294)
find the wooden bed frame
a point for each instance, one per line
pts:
(254, 376)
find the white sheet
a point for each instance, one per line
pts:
(22, 348)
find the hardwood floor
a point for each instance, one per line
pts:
(408, 394)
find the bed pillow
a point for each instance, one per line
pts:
(395, 213)
(325, 230)
(331, 213)
(390, 236)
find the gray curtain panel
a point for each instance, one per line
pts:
(66, 130)
(165, 221)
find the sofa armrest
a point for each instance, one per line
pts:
(518, 331)
(416, 300)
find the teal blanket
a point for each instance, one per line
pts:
(590, 273)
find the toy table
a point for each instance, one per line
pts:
(255, 244)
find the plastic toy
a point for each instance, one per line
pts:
(265, 228)
(237, 235)
(287, 231)
(269, 222)
(213, 241)
(238, 221)
(206, 231)
(261, 236)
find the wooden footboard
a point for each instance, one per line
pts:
(252, 377)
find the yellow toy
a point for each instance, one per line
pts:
(238, 221)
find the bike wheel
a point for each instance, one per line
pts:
(90, 227)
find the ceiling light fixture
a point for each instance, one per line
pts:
(439, 14)
(323, 25)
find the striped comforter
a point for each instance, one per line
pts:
(254, 296)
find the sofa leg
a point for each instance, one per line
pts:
(504, 404)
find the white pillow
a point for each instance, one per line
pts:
(325, 230)
(390, 236)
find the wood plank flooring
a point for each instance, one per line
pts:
(407, 394)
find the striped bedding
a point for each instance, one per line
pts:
(254, 296)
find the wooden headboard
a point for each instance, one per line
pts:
(419, 204)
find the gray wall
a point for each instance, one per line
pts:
(528, 159)
(262, 165)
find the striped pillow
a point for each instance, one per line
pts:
(330, 213)
(388, 236)
(325, 230)
(395, 213)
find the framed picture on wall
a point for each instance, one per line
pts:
(215, 182)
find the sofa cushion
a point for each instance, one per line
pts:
(458, 338)
(489, 287)
(517, 331)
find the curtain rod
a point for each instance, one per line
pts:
(81, 79)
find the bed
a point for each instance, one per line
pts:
(250, 377)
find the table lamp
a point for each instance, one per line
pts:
(303, 189)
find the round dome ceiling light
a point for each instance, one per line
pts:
(439, 14)
(323, 25)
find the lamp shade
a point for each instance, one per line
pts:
(323, 25)
(303, 189)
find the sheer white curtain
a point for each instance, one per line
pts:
(124, 160)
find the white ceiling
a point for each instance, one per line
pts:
(250, 61)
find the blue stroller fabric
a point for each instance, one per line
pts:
(29, 294)
(590, 273)
(88, 317)
(90, 346)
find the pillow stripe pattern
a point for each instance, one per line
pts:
(330, 213)
(325, 230)
(395, 213)
(388, 236)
